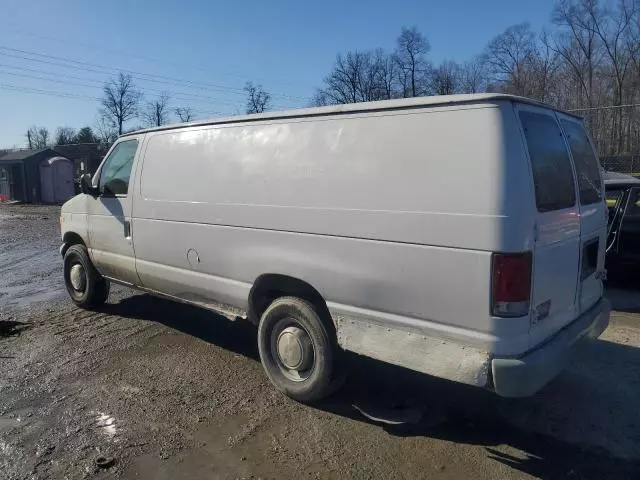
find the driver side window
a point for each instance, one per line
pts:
(114, 177)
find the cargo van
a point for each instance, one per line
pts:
(459, 236)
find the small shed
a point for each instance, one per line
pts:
(20, 176)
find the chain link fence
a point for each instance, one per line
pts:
(629, 164)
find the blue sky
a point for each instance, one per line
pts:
(209, 49)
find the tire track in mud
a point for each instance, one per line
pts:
(51, 320)
(80, 322)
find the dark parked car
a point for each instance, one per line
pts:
(623, 201)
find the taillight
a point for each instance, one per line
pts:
(511, 284)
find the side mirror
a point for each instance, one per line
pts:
(86, 186)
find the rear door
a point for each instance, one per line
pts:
(556, 250)
(593, 211)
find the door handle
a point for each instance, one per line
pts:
(127, 229)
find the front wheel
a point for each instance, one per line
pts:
(296, 349)
(86, 287)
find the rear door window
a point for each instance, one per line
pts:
(586, 163)
(552, 173)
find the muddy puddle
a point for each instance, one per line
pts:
(26, 279)
(30, 264)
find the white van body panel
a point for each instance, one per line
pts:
(392, 211)
(343, 204)
(358, 176)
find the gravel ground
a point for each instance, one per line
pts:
(146, 388)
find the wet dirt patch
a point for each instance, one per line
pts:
(30, 264)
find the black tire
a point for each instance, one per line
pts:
(316, 382)
(95, 290)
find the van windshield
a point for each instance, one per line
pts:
(552, 174)
(586, 163)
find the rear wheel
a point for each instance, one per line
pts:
(296, 349)
(86, 287)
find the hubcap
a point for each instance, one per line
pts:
(78, 278)
(295, 350)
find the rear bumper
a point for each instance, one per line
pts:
(521, 377)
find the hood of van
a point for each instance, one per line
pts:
(76, 204)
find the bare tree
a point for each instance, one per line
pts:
(342, 85)
(587, 60)
(411, 51)
(37, 138)
(474, 76)
(106, 132)
(42, 138)
(156, 113)
(258, 99)
(120, 101)
(598, 42)
(65, 136)
(358, 77)
(371, 86)
(633, 35)
(445, 79)
(577, 44)
(632, 85)
(185, 114)
(387, 74)
(542, 68)
(611, 27)
(321, 98)
(509, 55)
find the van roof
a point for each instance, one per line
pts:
(381, 105)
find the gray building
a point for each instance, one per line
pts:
(36, 176)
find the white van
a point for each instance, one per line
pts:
(458, 236)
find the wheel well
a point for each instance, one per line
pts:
(269, 287)
(71, 238)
